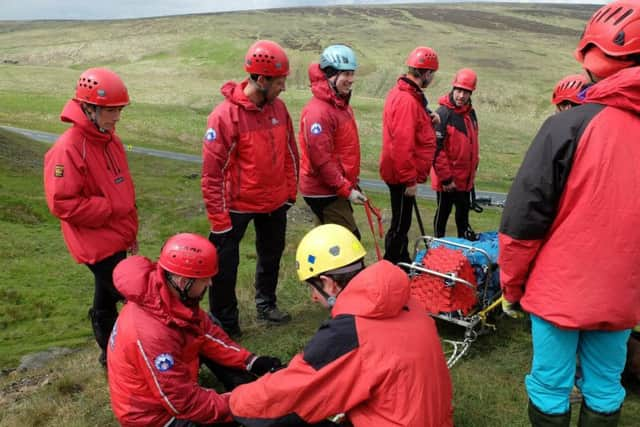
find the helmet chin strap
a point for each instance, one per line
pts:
(94, 117)
(184, 293)
(331, 300)
(262, 90)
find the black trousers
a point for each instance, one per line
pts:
(396, 240)
(270, 240)
(446, 200)
(105, 297)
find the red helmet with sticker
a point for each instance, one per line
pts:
(423, 58)
(568, 89)
(101, 87)
(189, 255)
(266, 58)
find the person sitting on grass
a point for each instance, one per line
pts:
(161, 336)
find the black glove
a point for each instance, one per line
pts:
(264, 364)
(219, 239)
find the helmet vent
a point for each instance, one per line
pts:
(613, 14)
(619, 40)
(88, 83)
(600, 15)
(622, 18)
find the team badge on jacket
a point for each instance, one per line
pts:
(316, 128)
(210, 135)
(164, 362)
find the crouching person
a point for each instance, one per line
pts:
(377, 360)
(161, 334)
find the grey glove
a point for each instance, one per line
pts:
(357, 197)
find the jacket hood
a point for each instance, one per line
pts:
(379, 291)
(407, 85)
(234, 93)
(140, 281)
(321, 88)
(446, 100)
(620, 90)
(72, 113)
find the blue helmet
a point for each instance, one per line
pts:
(339, 57)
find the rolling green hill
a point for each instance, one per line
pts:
(174, 67)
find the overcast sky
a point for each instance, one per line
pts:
(118, 9)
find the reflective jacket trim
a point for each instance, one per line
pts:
(222, 343)
(155, 380)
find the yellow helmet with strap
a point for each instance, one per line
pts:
(325, 248)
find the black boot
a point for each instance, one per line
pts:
(102, 322)
(540, 419)
(590, 418)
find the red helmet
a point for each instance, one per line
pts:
(189, 255)
(423, 58)
(266, 58)
(614, 29)
(568, 89)
(465, 78)
(102, 87)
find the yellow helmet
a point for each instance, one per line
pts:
(326, 248)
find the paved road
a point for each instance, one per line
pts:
(424, 191)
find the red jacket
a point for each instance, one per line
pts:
(570, 229)
(154, 349)
(250, 157)
(89, 188)
(378, 359)
(456, 157)
(329, 142)
(408, 137)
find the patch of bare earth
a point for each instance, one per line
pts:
(487, 20)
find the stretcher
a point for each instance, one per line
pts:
(457, 281)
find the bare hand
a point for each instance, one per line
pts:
(435, 118)
(449, 187)
(411, 191)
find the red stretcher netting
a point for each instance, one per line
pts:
(440, 295)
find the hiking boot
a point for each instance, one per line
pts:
(541, 419)
(469, 234)
(273, 315)
(591, 418)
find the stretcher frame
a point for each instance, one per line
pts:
(476, 322)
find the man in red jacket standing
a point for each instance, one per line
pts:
(161, 336)
(378, 360)
(89, 188)
(569, 231)
(250, 173)
(408, 145)
(329, 142)
(456, 158)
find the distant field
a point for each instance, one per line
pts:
(174, 67)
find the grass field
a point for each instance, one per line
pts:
(173, 67)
